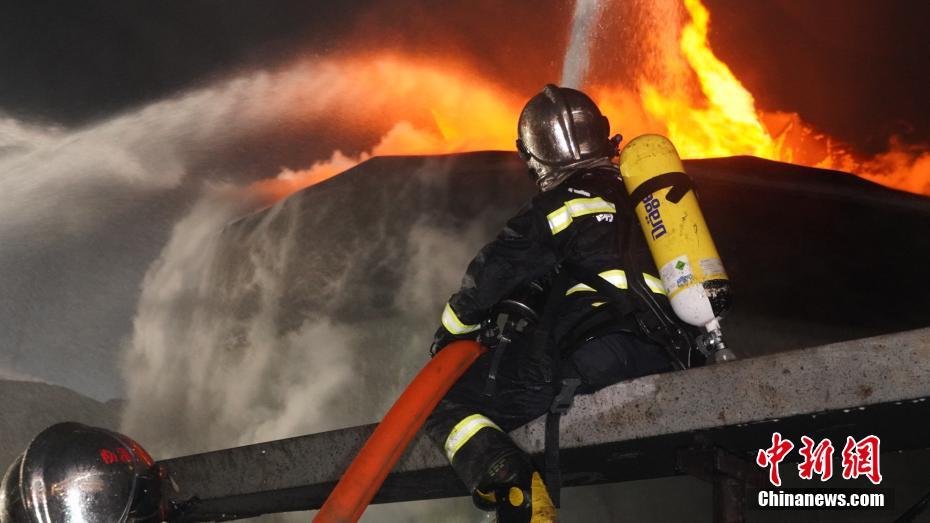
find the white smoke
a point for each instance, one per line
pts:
(582, 38)
(60, 182)
(219, 379)
(62, 187)
(202, 376)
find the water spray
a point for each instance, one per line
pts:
(577, 56)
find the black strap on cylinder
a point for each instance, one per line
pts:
(679, 182)
(621, 305)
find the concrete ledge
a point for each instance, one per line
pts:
(632, 430)
(846, 375)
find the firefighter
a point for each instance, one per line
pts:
(578, 240)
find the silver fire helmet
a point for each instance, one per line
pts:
(562, 128)
(73, 473)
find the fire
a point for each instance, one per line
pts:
(725, 122)
(695, 99)
(430, 108)
(720, 118)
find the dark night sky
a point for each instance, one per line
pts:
(857, 69)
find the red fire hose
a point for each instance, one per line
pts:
(371, 466)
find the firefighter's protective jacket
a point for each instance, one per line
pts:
(577, 223)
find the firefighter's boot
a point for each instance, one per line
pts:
(516, 492)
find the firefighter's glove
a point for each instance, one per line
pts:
(444, 337)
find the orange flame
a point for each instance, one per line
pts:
(722, 120)
(696, 100)
(725, 122)
(443, 108)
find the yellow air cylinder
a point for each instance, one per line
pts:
(681, 245)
